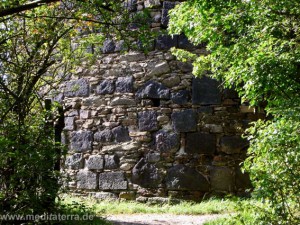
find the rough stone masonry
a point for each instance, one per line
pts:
(142, 127)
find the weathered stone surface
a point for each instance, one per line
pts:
(111, 162)
(128, 195)
(147, 121)
(112, 181)
(160, 69)
(103, 195)
(181, 97)
(206, 91)
(122, 101)
(106, 87)
(126, 146)
(172, 81)
(86, 180)
(222, 179)
(154, 90)
(167, 142)
(121, 134)
(233, 144)
(165, 42)
(200, 143)
(131, 5)
(81, 141)
(153, 157)
(74, 162)
(181, 177)
(95, 162)
(124, 84)
(146, 175)
(77, 88)
(108, 46)
(151, 3)
(184, 121)
(185, 67)
(133, 57)
(69, 123)
(167, 5)
(104, 136)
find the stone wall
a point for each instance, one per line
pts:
(141, 126)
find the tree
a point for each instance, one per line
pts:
(254, 46)
(40, 43)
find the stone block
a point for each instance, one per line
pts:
(167, 142)
(206, 91)
(130, 5)
(104, 136)
(151, 3)
(81, 141)
(86, 180)
(133, 57)
(146, 174)
(233, 144)
(108, 46)
(112, 181)
(181, 97)
(106, 87)
(222, 179)
(165, 42)
(184, 121)
(181, 177)
(95, 162)
(69, 123)
(147, 121)
(121, 134)
(111, 162)
(171, 81)
(153, 157)
(154, 90)
(124, 84)
(159, 69)
(167, 5)
(122, 101)
(200, 143)
(77, 88)
(74, 162)
(103, 195)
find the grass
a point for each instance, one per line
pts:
(213, 206)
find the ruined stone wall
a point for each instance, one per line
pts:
(141, 126)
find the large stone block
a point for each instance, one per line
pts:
(108, 46)
(69, 123)
(77, 88)
(146, 174)
(206, 91)
(74, 162)
(167, 142)
(155, 90)
(167, 5)
(122, 101)
(86, 180)
(121, 134)
(159, 69)
(184, 121)
(233, 144)
(106, 87)
(112, 181)
(181, 97)
(95, 162)
(104, 136)
(81, 141)
(181, 177)
(222, 179)
(111, 162)
(165, 42)
(124, 84)
(200, 143)
(147, 121)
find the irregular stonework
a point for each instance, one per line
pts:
(141, 126)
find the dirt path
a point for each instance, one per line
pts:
(159, 219)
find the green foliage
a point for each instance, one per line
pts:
(254, 47)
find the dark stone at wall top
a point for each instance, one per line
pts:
(152, 89)
(167, 142)
(81, 141)
(165, 17)
(200, 143)
(124, 84)
(181, 177)
(146, 174)
(77, 88)
(121, 134)
(106, 87)
(147, 121)
(206, 91)
(184, 121)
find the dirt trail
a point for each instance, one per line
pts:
(159, 219)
